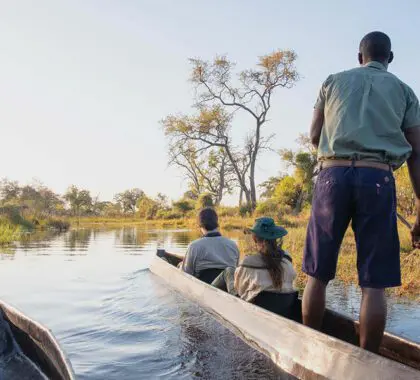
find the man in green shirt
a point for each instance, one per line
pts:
(366, 124)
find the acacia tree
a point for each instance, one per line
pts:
(207, 171)
(218, 92)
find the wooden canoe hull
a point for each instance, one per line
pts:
(297, 349)
(38, 344)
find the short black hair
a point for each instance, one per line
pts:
(375, 46)
(208, 219)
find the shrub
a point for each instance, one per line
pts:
(56, 224)
(168, 215)
(225, 211)
(204, 200)
(183, 206)
(245, 210)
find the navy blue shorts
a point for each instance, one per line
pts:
(367, 198)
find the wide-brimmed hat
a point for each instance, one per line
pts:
(265, 228)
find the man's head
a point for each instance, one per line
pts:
(375, 46)
(208, 220)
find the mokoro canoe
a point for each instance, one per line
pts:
(28, 350)
(295, 348)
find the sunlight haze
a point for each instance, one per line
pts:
(84, 84)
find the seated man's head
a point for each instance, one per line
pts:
(208, 220)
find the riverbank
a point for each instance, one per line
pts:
(233, 226)
(14, 228)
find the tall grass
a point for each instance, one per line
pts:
(9, 232)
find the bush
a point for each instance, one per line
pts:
(272, 208)
(204, 200)
(15, 217)
(168, 215)
(225, 211)
(183, 206)
(58, 225)
(245, 210)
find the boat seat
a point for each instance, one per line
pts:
(283, 304)
(209, 275)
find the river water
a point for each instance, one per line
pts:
(116, 320)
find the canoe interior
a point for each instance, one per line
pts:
(37, 344)
(346, 329)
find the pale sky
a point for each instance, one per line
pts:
(84, 83)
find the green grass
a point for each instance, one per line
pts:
(9, 232)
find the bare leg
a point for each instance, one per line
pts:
(372, 318)
(313, 303)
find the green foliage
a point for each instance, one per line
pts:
(204, 200)
(168, 215)
(288, 191)
(58, 225)
(79, 200)
(8, 231)
(269, 186)
(128, 199)
(245, 210)
(225, 211)
(272, 207)
(183, 206)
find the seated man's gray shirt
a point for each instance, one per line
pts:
(210, 252)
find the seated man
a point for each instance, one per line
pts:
(265, 278)
(211, 254)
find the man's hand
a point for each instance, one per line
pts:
(415, 235)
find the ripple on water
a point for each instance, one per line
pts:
(116, 320)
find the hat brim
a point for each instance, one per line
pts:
(275, 233)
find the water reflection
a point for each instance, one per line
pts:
(116, 320)
(77, 240)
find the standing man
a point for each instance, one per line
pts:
(366, 124)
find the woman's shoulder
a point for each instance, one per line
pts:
(252, 260)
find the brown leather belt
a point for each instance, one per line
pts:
(356, 163)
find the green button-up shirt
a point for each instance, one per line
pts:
(366, 111)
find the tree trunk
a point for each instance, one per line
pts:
(254, 154)
(241, 197)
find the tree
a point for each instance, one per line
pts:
(79, 200)
(204, 200)
(128, 199)
(40, 200)
(288, 192)
(147, 207)
(269, 187)
(183, 206)
(9, 191)
(206, 170)
(251, 93)
(304, 162)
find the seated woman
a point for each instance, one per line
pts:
(267, 277)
